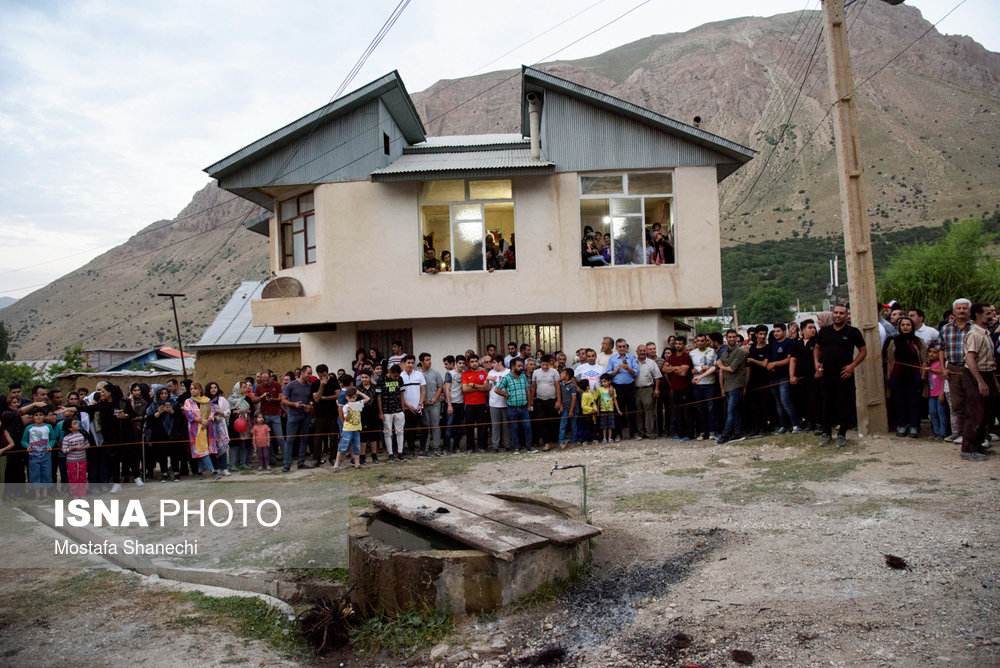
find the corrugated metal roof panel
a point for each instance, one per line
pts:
(457, 143)
(233, 326)
(535, 79)
(510, 161)
(473, 140)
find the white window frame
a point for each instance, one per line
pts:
(283, 251)
(451, 223)
(642, 206)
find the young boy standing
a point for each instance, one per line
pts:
(39, 438)
(568, 392)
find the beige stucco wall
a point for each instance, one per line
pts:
(226, 367)
(375, 226)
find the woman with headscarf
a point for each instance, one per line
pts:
(663, 250)
(240, 441)
(219, 427)
(199, 416)
(133, 453)
(160, 415)
(110, 416)
(906, 368)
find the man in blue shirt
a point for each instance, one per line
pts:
(624, 367)
(782, 349)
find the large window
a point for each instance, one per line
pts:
(467, 225)
(298, 231)
(627, 219)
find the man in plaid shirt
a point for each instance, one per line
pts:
(516, 386)
(952, 337)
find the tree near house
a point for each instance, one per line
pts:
(932, 275)
(766, 304)
(73, 359)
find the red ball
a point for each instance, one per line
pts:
(241, 425)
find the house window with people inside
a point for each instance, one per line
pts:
(627, 218)
(467, 225)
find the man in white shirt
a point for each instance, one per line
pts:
(544, 391)
(703, 386)
(647, 392)
(607, 350)
(498, 407)
(926, 334)
(414, 390)
(590, 370)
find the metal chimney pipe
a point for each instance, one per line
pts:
(535, 124)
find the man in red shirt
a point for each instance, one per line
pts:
(477, 417)
(677, 370)
(269, 395)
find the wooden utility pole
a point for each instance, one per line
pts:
(870, 386)
(180, 344)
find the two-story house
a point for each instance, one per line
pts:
(598, 218)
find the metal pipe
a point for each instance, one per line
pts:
(535, 124)
(556, 467)
(177, 324)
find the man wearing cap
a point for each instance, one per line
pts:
(952, 338)
(887, 319)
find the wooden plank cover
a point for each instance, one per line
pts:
(494, 538)
(556, 528)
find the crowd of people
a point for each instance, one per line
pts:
(725, 387)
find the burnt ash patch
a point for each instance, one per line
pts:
(596, 616)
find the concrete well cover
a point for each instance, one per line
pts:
(482, 521)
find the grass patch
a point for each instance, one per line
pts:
(900, 463)
(329, 574)
(875, 507)
(402, 633)
(356, 501)
(913, 481)
(782, 480)
(662, 501)
(455, 465)
(37, 600)
(553, 589)
(694, 472)
(250, 617)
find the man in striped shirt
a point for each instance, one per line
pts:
(952, 337)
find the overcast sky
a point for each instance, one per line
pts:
(109, 110)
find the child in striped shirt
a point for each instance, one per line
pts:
(74, 446)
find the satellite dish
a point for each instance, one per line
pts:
(281, 287)
(826, 304)
(829, 289)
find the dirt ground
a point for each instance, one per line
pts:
(772, 546)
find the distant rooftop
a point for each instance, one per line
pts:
(233, 327)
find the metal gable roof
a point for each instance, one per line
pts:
(233, 327)
(532, 79)
(389, 87)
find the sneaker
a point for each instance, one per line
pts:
(797, 430)
(951, 438)
(392, 457)
(532, 450)
(164, 478)
(422, 454)
(914, 433)
(638, 437)
(215, 475)
(722, 440)
(901, 431)
(701, 437)
(737, 437)
(824, 440)
(841, 440)
(779, 431)
(686, 438)
(987, 451)
(115, 488)
(755, 434)
(226, 472)
(958, 441)
(618, 439)
(711, 435)
(973, 456)
(286, 469)
(676, 438)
